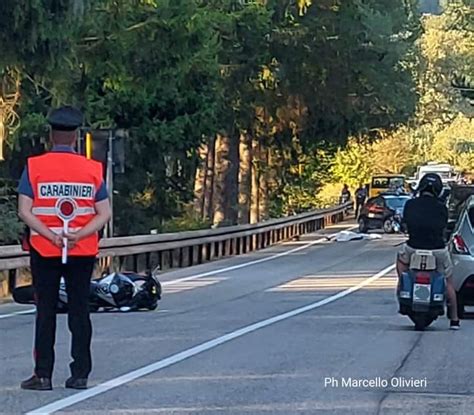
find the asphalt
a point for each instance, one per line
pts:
(239, 359)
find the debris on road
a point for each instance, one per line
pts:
(346, 236)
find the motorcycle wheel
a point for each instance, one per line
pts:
(421, 321)
(152, 307)
(363, 228)
(387, 226)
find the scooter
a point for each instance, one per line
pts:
(421, 290)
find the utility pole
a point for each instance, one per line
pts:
(110, 182)
(107, 147)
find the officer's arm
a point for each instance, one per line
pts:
(103, 214)
(25, 205)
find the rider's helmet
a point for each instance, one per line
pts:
(122, 289)
(432, 183)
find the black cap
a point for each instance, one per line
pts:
(65, 118)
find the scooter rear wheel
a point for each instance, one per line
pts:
(421, 322)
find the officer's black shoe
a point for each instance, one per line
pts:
(76, 383)
(37, 384)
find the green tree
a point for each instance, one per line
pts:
(454, 144)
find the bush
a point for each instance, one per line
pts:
(10, 225)
(329, 195)
(188, 221)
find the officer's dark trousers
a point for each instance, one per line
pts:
(47, 273)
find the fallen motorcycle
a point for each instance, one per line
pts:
(126, 291)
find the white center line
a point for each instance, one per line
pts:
(193, 351)
(18, 313)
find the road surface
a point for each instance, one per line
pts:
(306, 327)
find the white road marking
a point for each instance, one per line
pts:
(186, 286)
(18, 313)
(193, 351)
(332, 283)
(220, 270)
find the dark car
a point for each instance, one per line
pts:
(379, 212)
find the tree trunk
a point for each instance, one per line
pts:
(200, 181)
(245, 178)
(263, 183)
(274, 167)
(232, 180)
(220, 169)
(208, 208)
(254, 206)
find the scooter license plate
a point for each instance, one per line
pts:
(422, 293)
(371, 215)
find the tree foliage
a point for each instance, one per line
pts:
(327, 90)
(442, 127)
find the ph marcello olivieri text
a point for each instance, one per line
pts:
(376, 382)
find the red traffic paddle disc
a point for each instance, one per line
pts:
(66, 209)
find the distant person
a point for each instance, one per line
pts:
(360, 196)
(345, 195)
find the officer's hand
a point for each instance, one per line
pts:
(57, 240)
(72, 239)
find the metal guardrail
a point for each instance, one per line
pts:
(182, 249)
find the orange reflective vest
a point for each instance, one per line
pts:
(58, 176)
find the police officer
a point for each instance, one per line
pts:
(48, 181)
(360, 196)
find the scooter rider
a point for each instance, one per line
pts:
(426, 218)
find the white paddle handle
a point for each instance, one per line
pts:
(65, 230)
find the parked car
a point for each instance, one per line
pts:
(462, 253)
(458, 194)
(382, 211)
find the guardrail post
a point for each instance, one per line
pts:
(142, 263)
(166, 260)
(12, 280)
(190, 255)
(205, 252)
(212, 251)
(153, 261)
(183, 257)
(135, 262)
(160, 259)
